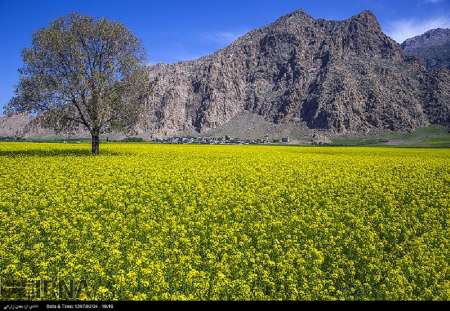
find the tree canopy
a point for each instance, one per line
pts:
(83, 72)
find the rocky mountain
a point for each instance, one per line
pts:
(21, 125)
(433, 48)
(339, 76)
(300, 75)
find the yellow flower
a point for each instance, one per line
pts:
(151, 222)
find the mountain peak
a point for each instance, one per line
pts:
(340, 76)
(439, 31)
(367, 18)
(296, 16)
(432, 48)
(434, 37)
(299, 13)
(367, 14)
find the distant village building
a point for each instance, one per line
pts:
(209, 141)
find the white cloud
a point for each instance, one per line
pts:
(433, 1)
(401, 30)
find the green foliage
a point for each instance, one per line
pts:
(134, 140)
(152, 222)
(11, 138)
(422, 137)
(83, 72)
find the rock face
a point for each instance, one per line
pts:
(21, 125)
(340, 76)
(437, 101)
(432, 48)
(303, 75)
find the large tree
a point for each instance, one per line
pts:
(83, 72)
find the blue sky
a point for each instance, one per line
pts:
(176, 30)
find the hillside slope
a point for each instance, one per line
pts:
(298, 75)
(340, 76)
(433, 48)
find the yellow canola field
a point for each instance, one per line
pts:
(159, 222)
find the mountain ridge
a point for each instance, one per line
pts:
(336, 76)
(432, 48)
(339, 76)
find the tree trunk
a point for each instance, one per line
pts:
(95, 144)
